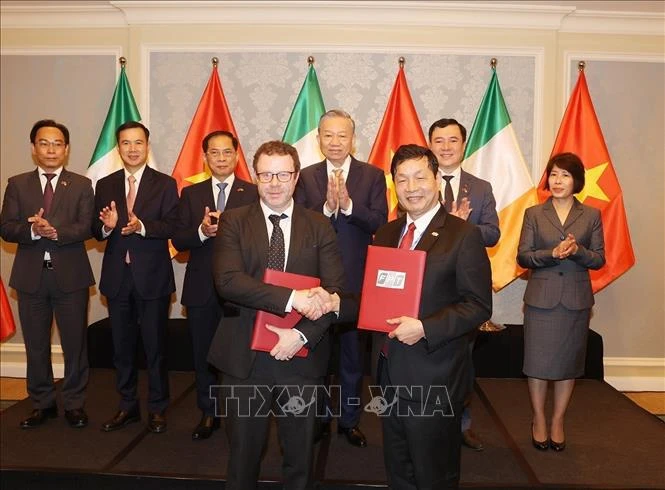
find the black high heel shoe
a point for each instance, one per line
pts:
(558, 446)
(540, 445)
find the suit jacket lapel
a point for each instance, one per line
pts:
(296, 239)
(575, 212)
(550, 214)
(237, 188)
(353, 179)
(60, 191)
(144, 190)
(433, 231)
(465, 187)
(260, 239)
(34, 193)
(321, 176)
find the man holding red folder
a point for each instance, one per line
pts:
(272, 233)
(431, 351)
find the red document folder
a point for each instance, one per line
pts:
(262, 338)
(392, 286)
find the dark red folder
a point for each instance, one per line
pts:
(392, 286)
(262, 338)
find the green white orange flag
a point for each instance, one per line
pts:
(580, 133)
(212, 114)
(105, 159)
(400, 126)
(301, 130)
(493, 154)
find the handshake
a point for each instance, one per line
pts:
(314, 303)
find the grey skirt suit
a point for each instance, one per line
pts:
(558, 296)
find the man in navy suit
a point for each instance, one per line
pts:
(47, 212)
(468, 198)
(352, 194)
(138, 210)
(198, 212)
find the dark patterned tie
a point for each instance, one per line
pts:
(221, 198)
(448, 198)
(276, 250)
(48, 193)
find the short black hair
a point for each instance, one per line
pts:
(442, 123)
(209, 136)
(413, 152)
(572, 164)
(48, 123)
(131, 125)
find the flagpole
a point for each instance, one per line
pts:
(489, 325)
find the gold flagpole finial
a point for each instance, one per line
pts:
(310, 60)
(581, 65)
(401, 61)
(493, 63)
(215, 61)
(123, 61)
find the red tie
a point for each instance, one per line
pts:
(407, 239)
(48, 194)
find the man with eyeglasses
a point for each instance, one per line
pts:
(48, 212)
(199, 209)
(137, 210)
(278, 234)
(352, 195)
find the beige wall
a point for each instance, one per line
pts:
(629, 313)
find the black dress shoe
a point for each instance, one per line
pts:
(322, 431)
(557, 446)
(206, 426)
(354, 436)
(121, 419)
(39, 416)
(540, 445)
(156, 423)
(471, 440)
(76, 418)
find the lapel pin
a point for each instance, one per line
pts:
(434, 233)
(240, 189)
(64, 182)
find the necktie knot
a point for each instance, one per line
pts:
(131, 179)
(447, 178)
(221, 198)
(49, 177)
(407, 239)
(276, 218)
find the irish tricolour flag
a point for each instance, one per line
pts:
(301, 130)
(106, 160)
(493, 154)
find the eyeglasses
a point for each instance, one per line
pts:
(266, 177)
(45, 145)
(217, 153)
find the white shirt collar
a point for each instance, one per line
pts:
(137, 175)
(345, 166)
(267, 211)
(422, 222)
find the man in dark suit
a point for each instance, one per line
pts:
(137, 209)
(301, 242)
(431, 351)
(470, 199)
(199, 209)
(352, 194)
(48, 212)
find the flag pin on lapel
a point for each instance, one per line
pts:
(434, 233)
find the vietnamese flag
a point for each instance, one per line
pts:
(212, 114)
(580, 133)
(7, 325)
(400, 126)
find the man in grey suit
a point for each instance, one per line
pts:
(469, 198)
(48, 212)
(278, 234)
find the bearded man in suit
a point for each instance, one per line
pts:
(278, 234)
(198, 213)
(48, 212)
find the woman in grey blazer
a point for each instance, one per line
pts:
(561, 240)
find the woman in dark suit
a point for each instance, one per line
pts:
(561, 240)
